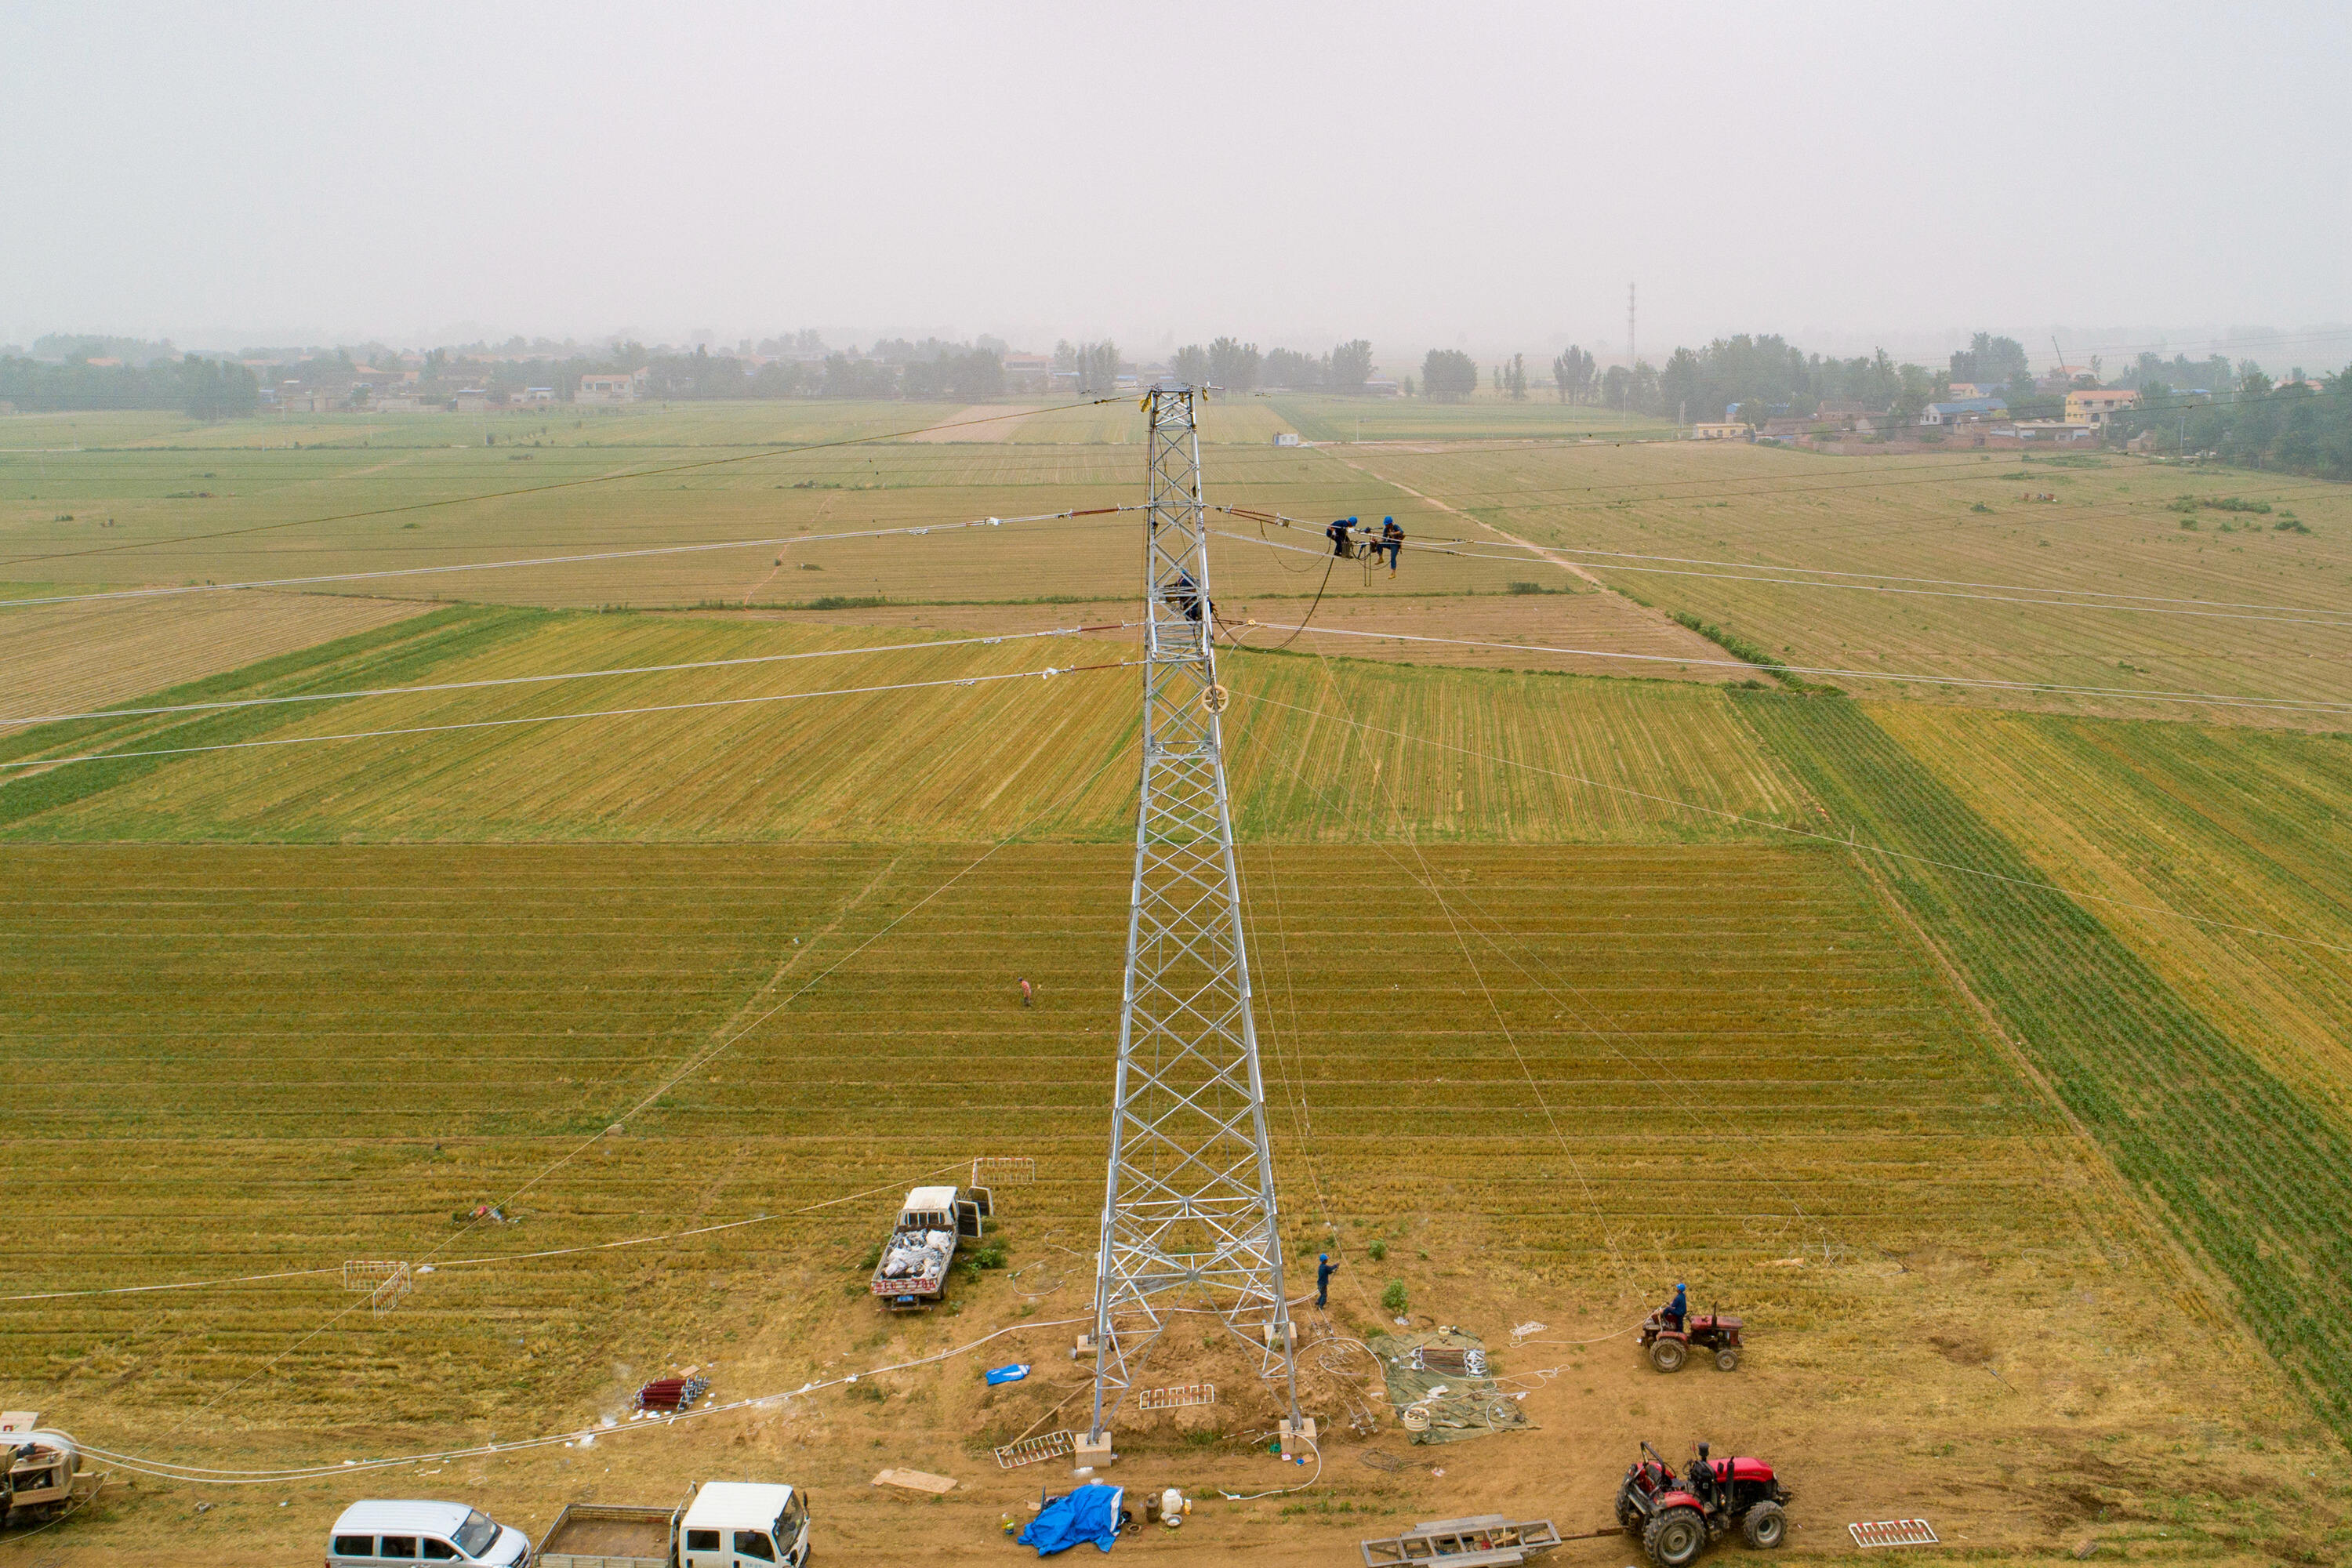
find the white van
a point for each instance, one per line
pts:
(381, 1531)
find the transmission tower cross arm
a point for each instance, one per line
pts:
(1189, 1219)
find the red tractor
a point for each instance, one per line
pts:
(1715, 1334)
(1674, 1516)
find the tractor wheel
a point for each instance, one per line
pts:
(1675, 1537)
(1765, 1526)
(1667, 1355)
(1727, 1359)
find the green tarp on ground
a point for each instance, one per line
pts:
(1470, 1407)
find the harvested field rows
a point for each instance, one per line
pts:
(2247, 1173)
(373, 1039)
(1051, 757)
(1729, 1064)
(1599, 623)
(63, 657)
(2112, 532)
(2244, 828)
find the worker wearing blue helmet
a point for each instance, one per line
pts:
(1677, 1311)
(1392, 540)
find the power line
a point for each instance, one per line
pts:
(558, 718)
(1570, 550)
(1582, 550)
(555, 485)
(1729, 816)
(564, 675)
(778, 541)
(698, 1061)
(2207, 698)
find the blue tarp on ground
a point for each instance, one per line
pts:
(1090, 1513)
(1012, 1373)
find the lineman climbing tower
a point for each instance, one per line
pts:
(1188, 1218)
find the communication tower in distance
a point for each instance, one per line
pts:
(1188, 1216)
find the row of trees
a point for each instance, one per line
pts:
(2298, 427)
(942, 371)
(206, 388)
(1096, 364)
(1237, 366)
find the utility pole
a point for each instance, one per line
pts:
(1633, 352)
(1188, 1215)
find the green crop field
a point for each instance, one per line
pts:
(2202, 1130)
(2241, 827)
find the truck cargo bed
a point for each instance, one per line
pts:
(607, 1535)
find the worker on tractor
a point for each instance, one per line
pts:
(1677, 1311)
(1698, 1475)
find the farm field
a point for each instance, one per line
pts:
(2243, 827)
(58, 657)
(1354, 419)
(1551, 626)
(2203, 1131)
(217, 1104)
(1555, 1006)
(1037, 755)
(1722, 513)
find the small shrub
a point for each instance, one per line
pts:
(1380, 1251)
(2290, 525)
(1982, 508)
(1394, 1298)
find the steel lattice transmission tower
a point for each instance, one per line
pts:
(1188, 1216)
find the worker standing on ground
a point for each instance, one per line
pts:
(1677, 1311)
(1391, 541)
(1027, 994)
(1323, 1269)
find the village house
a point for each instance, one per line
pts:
(1732, 432)
(602, 387)
(2097, 406)
(1962, 410)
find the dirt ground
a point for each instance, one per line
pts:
(2023, 1405)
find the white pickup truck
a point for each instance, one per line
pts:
(912, 1272)
(722, 1524)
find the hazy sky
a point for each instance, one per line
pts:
(1487, 175)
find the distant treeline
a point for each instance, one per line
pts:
(1771, 374)
(946, 371)
(2299, 428)
(1237, 366)
(206, 388)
